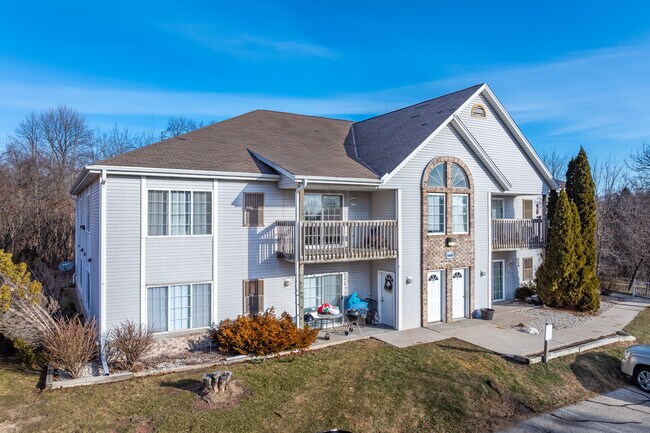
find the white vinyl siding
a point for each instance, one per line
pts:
(460, 213)
(436, 214)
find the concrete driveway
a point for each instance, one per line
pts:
(626, 410)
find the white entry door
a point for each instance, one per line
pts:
(386, 297)
(434, 296)
(458, 289)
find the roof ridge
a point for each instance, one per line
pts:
(421, 102)
(302, 115)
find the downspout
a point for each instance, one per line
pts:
(102, 273)
(296, 248)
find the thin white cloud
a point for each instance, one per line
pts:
(247, 45)
(593, 95)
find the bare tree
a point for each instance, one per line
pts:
(556, 163)
(640, 163)
(178, 125)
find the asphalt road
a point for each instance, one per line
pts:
(626, 410)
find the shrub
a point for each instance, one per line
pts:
(527, 289)
(262, 334)
(70, 344)
(27, 354)
(128, 343)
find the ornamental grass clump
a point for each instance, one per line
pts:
(71, 344)
(128, 343)
(262, 334)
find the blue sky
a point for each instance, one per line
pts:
(570, 73)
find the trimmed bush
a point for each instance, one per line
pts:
(127, 344)
(527, 289)
(262, 334)
(71, 344)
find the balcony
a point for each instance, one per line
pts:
(513, 234)
(338, 241)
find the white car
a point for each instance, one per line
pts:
(636, 365)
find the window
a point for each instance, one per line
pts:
(459, 213)
(323, 207)
(320, 289)
(253, 296)
(201, 305)
(181, 202)
(497, 280)
(178, 307)
(436, 214)
(157, 308)
(478, 111)
(458, 177)
(438, 176)
(88, 213)
(158, 206)
(179, 213)
(253, 209)
(202, 218)
(497, 208)
(528, 268)
(528, 209)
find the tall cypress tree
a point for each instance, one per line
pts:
(581, 191)
(557, 273)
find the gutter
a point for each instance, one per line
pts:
(296, 247)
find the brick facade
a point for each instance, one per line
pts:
(434, 246)
(175, 344)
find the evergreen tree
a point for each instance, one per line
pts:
(582, 192)
(558, 272)
(550, 206)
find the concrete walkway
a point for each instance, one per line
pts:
(499, 337)
(625, 410)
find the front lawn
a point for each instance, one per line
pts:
(363, 386)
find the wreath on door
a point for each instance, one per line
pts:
(388, 283)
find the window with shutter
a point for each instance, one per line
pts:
(253, 296)
(528, 209)
(528, 268)
(253, 209)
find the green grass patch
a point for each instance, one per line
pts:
(366, 385)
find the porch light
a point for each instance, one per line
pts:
(287, 282)
(452, 242)
(409, 280)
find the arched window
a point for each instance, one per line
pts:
(458, 177)
(438, 176)
(479, 111)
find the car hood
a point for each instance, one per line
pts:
(643, 349)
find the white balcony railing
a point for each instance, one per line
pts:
(335, 241)
(512, 234)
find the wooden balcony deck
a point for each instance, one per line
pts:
(338, 241)
(513, 234)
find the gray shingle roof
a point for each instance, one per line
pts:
(383, 142)
(302, 145)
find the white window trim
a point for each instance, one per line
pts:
(169, 213)
(503, 280)
(523, 269)
(503, 208)
(452, 214)
(168, 285)
(444, 214)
